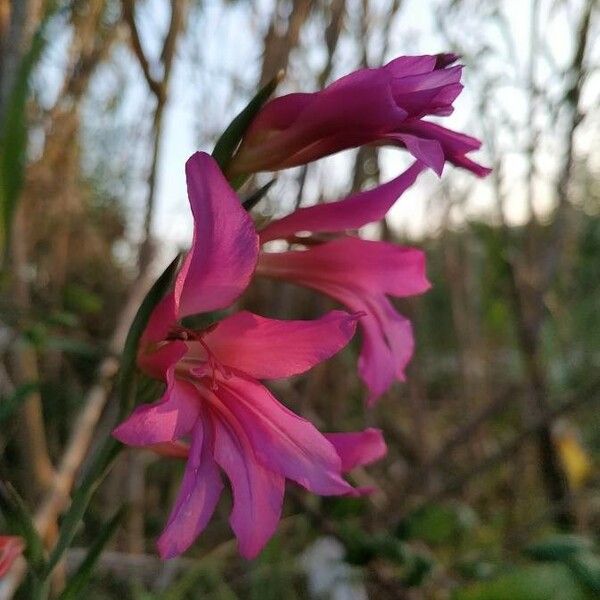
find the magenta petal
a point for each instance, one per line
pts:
(350, 213)
(172, 417)
(161, 321)
(405, 66)
(387, 348)
(156, 356)
(156, 359)
(257, 492)
(11, 547)
(454, 145)
(171, 449)
(356, 107)
(368, 106)
(279, 113)
(358, 448)
(359, 273)
(418, 82)
(224, 250)
(284, 442)
(428, 151)
(375, 362)
(269, 348)
(349, 262)
(198, 496)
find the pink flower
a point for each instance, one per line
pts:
(11, 547)
(358, 273)
(213, 397)
(370, 106)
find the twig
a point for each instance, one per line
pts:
(159, 87)
(129, 16)
(511, 447)
(32, 431)
(463, 434)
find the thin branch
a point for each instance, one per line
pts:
(136, 43)
(178, 14)
(509, 449)
(159, 88)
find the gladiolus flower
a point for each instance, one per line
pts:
(358, 273)
(213, 397)
(383, 106)
(11, 547)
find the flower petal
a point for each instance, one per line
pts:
(360, 280)
(277, 114)
(406, 66)
(257, 491)
(161, 321)
(224, 250)
(172, 417)
(350, 213)
(454, 145)
(198, 496)
(282, 441)
(357, 106)
(428, 151)
(270, 348)
(171, 449)
(368, 106)
(11, 546)
(358, 448)
(155, 356)
(373, 266)
(387, 347)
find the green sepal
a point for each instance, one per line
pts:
(229, 141)
(127, 373)
(252, 200)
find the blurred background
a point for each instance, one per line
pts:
(491, 488)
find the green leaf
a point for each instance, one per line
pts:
(536, 582)
(362, 547)
(418, 568)
(20, 522)
(204, 577)
(558, 547)
(80, 579)
(436, 524)
(229, 141)
(81, 301)
(74, 346)
(81, 498)
(13, 130)
(586, 567)
(9, 404)
(36, 334)
(127, 385)
(64, 319)
(358, 544)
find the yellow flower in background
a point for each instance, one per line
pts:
(575, 460)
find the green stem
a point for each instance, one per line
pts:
(40, 589)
